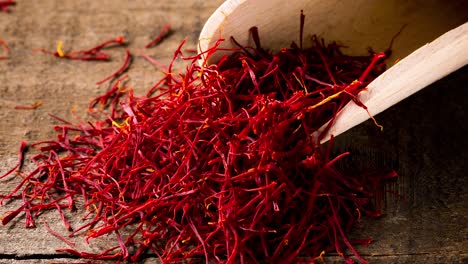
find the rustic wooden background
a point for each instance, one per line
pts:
(425, 136)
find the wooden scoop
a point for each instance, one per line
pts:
(358, 24)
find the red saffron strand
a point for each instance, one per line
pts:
(29, 107)
(5, 5)
(120, 40)
(6, 50)
(165, 32)
(152, 60)
(91, 54)
(57, 235)
(121, 70)
(301, 29)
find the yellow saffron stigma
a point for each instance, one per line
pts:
(60, 49)
(320, 257)
(326, 100)
(300, 83)
(124, 124)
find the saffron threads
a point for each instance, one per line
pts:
(165, 32)
(5, 5)
(121, 70)
(92, 54)
(22, 149)
(6, 50)
(29, 107)
(57, 235)
(219, 163)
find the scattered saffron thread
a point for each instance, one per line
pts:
(165, 32)
(215, 163)
(5, 5)
(29, 107)
(91, 54)
(6, 50)
(121, 70)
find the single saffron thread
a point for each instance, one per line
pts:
(6, 4)
(121, 70)
(165, 32)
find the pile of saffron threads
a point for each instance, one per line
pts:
(5, 49)
(217, 163)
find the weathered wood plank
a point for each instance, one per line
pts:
(424, 136)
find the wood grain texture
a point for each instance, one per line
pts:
(424, 136)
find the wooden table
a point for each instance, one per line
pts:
(425, 136)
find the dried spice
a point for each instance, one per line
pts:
(6, 50)
(29, 107)
(5, 5)
(218, 162)
(91, 54)
(165, 32)
(121, 70)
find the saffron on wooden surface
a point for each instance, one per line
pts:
(5, 49)
(29, 107)
(5, 5)
(121, 70)
(91, 54)
(218, 164)
(165, 31)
